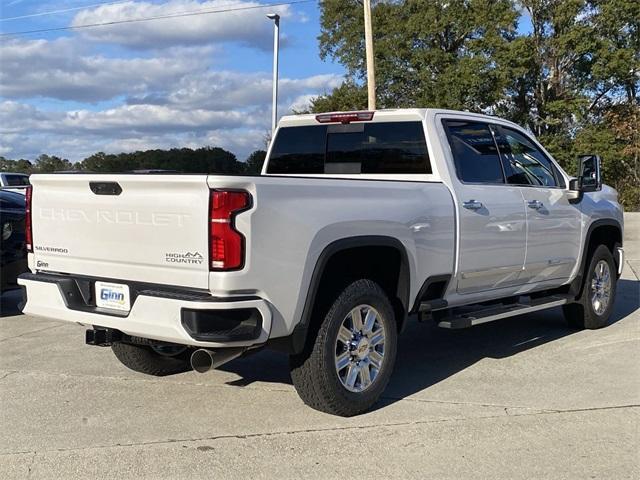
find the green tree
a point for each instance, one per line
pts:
(185, 160)
(348, 96)
(18, 166)
(51, 163)
(428, 52)
(579, 58)
(255, 161)
(616, 138)
(615, 62)
(573, 76)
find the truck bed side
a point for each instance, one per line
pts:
(294, 219)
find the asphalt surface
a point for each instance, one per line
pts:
(519, 398)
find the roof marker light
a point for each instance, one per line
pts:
(346, 117)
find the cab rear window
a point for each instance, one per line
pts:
(16, 180)
(357, 148)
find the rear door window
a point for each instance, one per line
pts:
(357, 148)
(475, 152)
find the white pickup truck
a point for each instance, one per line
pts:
(358, 220)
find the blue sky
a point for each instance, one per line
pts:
(180, 82)
(193, 81)
(299, 52)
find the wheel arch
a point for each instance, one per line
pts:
(604, 231)
(337, 251)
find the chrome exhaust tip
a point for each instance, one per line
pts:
(203, 360)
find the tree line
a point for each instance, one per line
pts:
(568, 70)
(183, 160)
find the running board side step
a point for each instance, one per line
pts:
(465, 319)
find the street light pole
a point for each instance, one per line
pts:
(368, 41)
(276, 48)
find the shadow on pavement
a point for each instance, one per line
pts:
(9, 302)
(428, 354)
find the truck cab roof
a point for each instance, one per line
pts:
(387, 115)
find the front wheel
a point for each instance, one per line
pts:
(350, 362)
(594, 306)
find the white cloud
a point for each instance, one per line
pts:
(244, 141)
(26, 132)
(125, 120)
(163, 93)
(233, 90)
(248, 26)
(62, 69)
(301, 103)
(234, 113)
(152, 118)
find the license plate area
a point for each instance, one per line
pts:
(112, 296)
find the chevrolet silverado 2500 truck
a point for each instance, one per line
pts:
(358, 220)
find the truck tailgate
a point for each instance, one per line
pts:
(144, 228)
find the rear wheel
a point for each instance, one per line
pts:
(349, 364)
(158, 360)
(594, 306)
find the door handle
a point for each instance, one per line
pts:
(472, 205)
(536, 204)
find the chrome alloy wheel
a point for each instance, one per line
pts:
(601, 287)
(359, 353)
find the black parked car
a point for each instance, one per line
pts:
(13, 253)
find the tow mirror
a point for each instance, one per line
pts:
(589, 179)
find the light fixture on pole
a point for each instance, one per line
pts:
(276, 47)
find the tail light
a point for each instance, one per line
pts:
(28, 233)
(226, 244)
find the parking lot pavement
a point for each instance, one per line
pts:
(519, 398)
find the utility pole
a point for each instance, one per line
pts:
(368, 41)
(276, 48)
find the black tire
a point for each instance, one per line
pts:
(581, 314)
(314, 372)
(144, 359)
